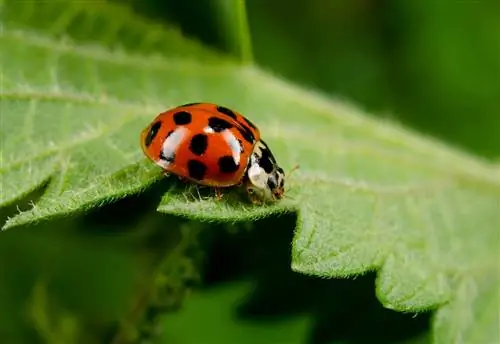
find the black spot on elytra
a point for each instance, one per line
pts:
(218, 124)
(227, 164)
(249, 123)
(196, 169)
(182, 118)
(227, 112)
(152, 133)
(189, 104)
(199, 144)
(246, 133)
(265, 161)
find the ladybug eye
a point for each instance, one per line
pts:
(152, 133)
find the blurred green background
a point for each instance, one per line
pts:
(432, 65)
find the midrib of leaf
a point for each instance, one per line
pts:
(434, 193)
(307, 178)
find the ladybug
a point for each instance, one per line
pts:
(211, 145)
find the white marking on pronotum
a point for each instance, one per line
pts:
(233, 144)
(257, 151)
(170, 146)
(257, 175)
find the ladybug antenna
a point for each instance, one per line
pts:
(286, 195)
(296, 167)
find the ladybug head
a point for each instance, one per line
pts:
(265, 179)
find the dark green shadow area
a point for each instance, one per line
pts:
(250, 293)
(78, 275)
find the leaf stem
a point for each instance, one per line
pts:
(235, 28)
(245, 40)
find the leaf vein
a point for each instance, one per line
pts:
(82, 139)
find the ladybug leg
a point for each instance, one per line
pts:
(191, 188)
(256, 200)
(218, 194)
(198, 192)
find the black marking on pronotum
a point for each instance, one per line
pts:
(152, 133)
(271, 182)
(227, 112)
(266, 161)
(271, 156)
(282, 182)
(227, 164)
(199, 144)
(196, 169)
(218, 124)
(182, 118)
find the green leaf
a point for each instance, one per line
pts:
(80, 82)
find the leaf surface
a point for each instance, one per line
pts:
(79, 83)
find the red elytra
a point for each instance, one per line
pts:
(202, 142)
